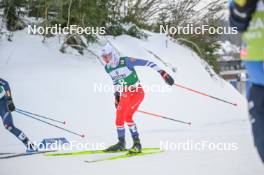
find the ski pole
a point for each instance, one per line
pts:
(41, 116)
(204, 94)
(156, 115)
(28, 115)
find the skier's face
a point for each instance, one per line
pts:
(107, 58)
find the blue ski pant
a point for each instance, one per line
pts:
(256, 109)
(9, 124)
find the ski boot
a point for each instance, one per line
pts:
(136, 148)
(119, 146)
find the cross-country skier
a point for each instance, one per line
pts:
(128, 93)
(6, 107)
(248, 17)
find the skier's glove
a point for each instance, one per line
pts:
(117, 98)
(10, 104)
(168, 79)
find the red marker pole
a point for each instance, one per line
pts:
(160, 116)
(204, 94)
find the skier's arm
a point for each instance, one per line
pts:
(117, 98)
(116, 92)
(6, 86)
(241, 13)
(132, 62)
(10, 103)
(2, 91)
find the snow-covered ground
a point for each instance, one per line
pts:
(48, 82)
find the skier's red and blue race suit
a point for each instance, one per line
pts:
(129, 93)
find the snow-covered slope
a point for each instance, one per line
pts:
(48, 82)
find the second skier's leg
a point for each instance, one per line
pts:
(256, 105)
(9, 125)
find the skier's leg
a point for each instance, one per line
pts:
(9, 125)
(136, 99)
(120, 120)
(256, 106)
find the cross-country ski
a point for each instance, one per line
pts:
(123, 156)
(103, 151)
(15, 155)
